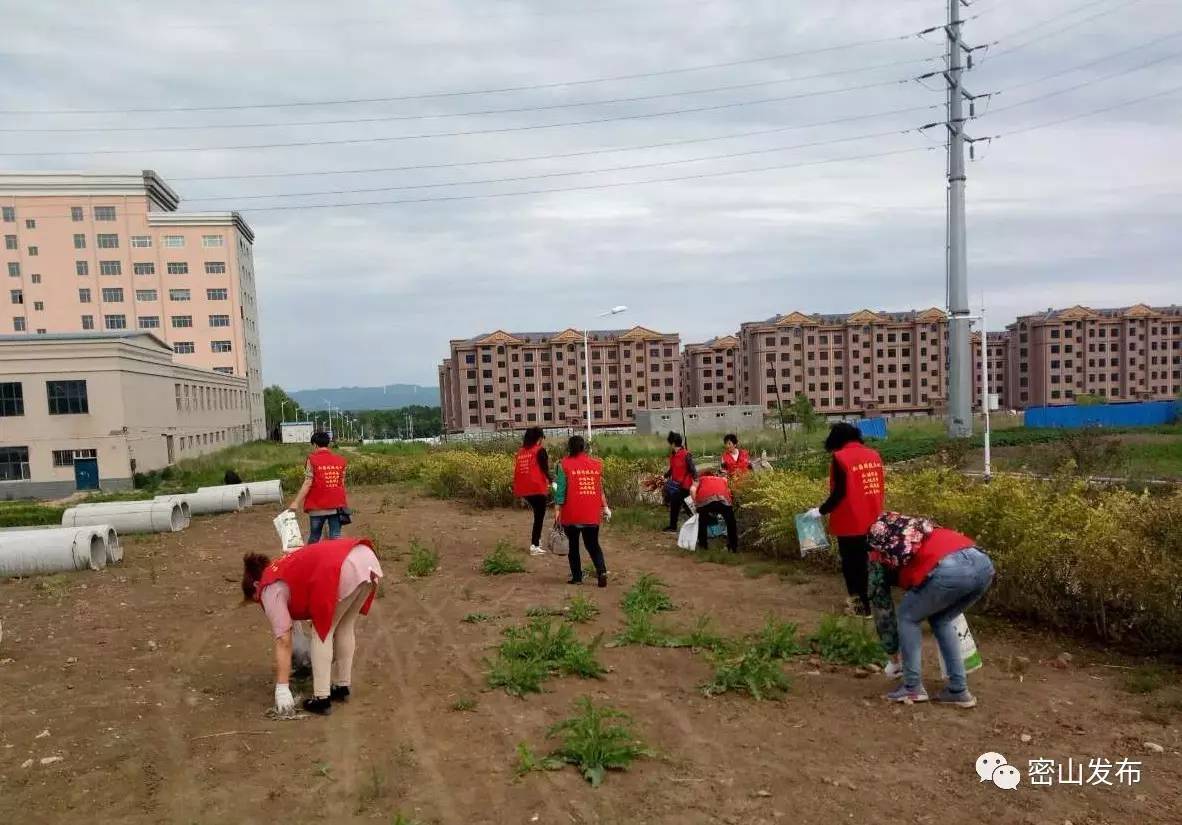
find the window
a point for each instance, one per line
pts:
(174, 241)
(141, 241)
(14, 269)
(115, 321)
(224, 370)
(106, 241)
(38, 306)
(104, 213)
(88, 322)
(183, 347)
(217, 294)
(149, 322)
(10, 242)
(146, 268)
(113, 295)
(35, 278)
(110, 268)
(67, 397)
(145, 295)
(65, 458)
(178, 268)
(8, 214)
(17, 296)
(212, 241)
(14, 461)
(77, 214)
(220, 346)
(30, 223)
(178, 295)
(18, 324)
(12, 398)
(80, 242)
(33, 251)
(219, 320)
(215, 268)
(182, 321)
(81, 268)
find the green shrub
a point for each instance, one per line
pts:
(423, 560)
(748, 671)
(596, 740)
(529, 654)
(846, 640)
(476, 618)
(647, 595)
(502, 560)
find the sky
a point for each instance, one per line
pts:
(805, 179)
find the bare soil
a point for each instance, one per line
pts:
(152, 680)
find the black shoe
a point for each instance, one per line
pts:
(670, 530)
(602, 579)
(574, 581)
(339, 693)
(321, 707)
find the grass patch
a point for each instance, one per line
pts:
(529, 654)
(703, 636)
(749, 671)
(502, 561)
(1144, 680)
(476, 618)
(465, 704)
(845, 640)
(758, 569)
(540, 611)
(402, 819)
(597, 739)
(55, 585)
(647, 595)
(640, 518)
(777, 640)
(28, 514)
(581, 609)
(423, 560)
(640, 629)
(725, 557)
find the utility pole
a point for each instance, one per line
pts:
(960, 362)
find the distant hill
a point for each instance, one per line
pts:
(389, 397)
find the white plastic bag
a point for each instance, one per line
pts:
(968, 648)
(810, 533)
(288, 528)
(687, 539)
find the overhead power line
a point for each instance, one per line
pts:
(1074, 24)
(1089, 82)
(1090, 113)
(1138, 47)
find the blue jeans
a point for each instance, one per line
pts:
(956, 583)
(316, 527)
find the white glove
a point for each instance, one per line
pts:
(607, 513)
(284, 701)
(814, 513)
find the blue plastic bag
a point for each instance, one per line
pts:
(810, 532)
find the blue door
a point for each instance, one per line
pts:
(86, 476)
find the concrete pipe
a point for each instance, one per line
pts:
(51, 551)
(113, 548)
(129, 516)
(240, 490)
(265, 492)
(182, 502)
(211, 500)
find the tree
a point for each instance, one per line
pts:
(279, 406)
(802, 413)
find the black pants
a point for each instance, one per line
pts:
(855, 566)
(590, 533)
(538, 505)
(706, 515)
(676, 505)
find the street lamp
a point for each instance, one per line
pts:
(283, 411)
(984, 389)
(587, 365)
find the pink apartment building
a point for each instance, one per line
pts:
(106, 252)
(710, 372)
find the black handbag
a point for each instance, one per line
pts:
(345, 515)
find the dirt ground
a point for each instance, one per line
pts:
(151, 681)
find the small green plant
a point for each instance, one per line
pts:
(423, 560)
(647, 595)
(385, 505)
(641, 629)
(465, 704)
(705, 637)
(749, 671)
(372, 790)
(502, 560)
(777, 640)
(400, 819)
(845, 640)
(517, 676)
(596, 740)
(539, 611)
(56, 585)
(528, 761)
(1144, 680)
(581, 609)
(322, 769)
(529, 654)
(476, 618)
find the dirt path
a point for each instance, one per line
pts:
(137, 670)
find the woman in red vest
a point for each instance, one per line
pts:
(328, 583)
(581, 505)
(323, 494)
(679, 479)
(531, 481)
(736, 463)
(712, 497)
(944, 573)
(857, 485)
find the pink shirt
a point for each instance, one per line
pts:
(360, 567)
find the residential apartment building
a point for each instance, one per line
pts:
(1125, 354)
(710, 372)
(864, 363)
(512, 380)
(90, 410)
(110, 252)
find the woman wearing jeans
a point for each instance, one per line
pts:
(323, 494)
(531, 482)
(581, 505)
(944, 573)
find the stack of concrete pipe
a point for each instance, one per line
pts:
(211, 500)
(265, 492)
(130, 516)
(57, 550)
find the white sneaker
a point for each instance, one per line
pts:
(534, 550)
(893, 670)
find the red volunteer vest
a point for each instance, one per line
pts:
(584, 490)
(679, 468)
(865, 487)
(712, 487)
(528, 478)
(313, 574)
(942, 542)
(736, 468)
(328, 481)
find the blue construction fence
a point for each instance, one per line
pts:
(1139, 414)
(872, 427)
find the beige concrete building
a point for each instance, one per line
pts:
(864, 363)
(110, 252)
(513, 380)
(710, 371)
(1126, 354)
(89, 410)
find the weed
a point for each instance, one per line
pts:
(777, 640)
(528, 761)
(400, 819)
(704, 637)
(540, 612)
(847, 641)
(517, 676)
(465, 704)
(760, 568)
(372, 790)
(502, 560)
(647, 595)
(596, 740)
(55, 586)
(581, 609)
(529, 654)
(640, 629)
(725, 557)
(323, 769)
(423, 560)
(385, 505)
(475, 618)
(750, 671)
(1145, 680)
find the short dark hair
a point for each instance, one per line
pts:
(841, 434)
(576, 445)
(321, 439)
(532, 436)
(253, 565)
(730, 438)
(674, 439)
